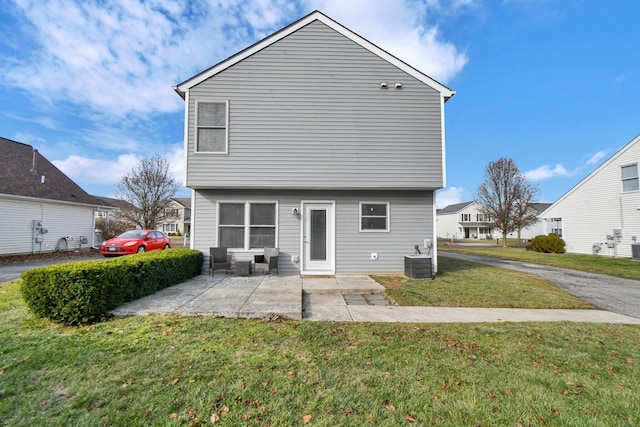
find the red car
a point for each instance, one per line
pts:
(135, 241)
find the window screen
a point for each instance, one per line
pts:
(231, 225)
(212, 127)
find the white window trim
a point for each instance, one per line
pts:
(247, 222)
(226, 136)
(622, 180)
(387, 230)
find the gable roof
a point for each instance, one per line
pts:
(183, 87)
(539, 207)
(457, 207)
(184, 201)
(575, 188)
(116, 203)
(44, 181)
(460, 206)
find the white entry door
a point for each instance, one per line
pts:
(318, 238)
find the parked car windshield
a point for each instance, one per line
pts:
(132, 234)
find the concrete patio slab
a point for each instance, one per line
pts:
(348, 298)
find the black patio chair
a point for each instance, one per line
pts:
(219, 259)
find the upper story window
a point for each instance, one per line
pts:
(374, 216)
(212, 127)
(171, 213)
(630, 177)
(483, 217)
(466, 217)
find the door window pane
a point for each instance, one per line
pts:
(318, 235)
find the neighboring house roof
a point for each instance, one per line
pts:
(116, 203)
(457, 207)
(184, 201)
(460, 206)
(221, 66)
(540, 207)
(576, 187)
(27, 173)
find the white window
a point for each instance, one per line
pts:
(169, 228)
(630, 177)
(466, 217)
(212, 127)
(247, 225)
(171, 213)
(483, 217)
(374, 216)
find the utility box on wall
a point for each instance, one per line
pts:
(418, 267)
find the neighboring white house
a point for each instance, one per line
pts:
(463, 221)
(466, 221)
(177, 216)
(319, 143)
(39, 204)
(601, 214)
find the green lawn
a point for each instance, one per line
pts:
(190, 371)
(467, 284)
(621, 267)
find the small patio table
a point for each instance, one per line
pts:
(243, 268)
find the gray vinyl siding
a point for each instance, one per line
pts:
(307, 112)
(60, 220)
(410, 216)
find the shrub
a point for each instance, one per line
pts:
(82, 292)
(550, 243)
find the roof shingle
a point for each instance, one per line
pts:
(20, 179)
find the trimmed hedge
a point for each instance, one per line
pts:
(550, 243)
(82, 292)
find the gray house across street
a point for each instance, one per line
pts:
(317, 142)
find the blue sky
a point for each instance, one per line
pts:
(554, 85)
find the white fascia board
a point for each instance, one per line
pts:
(620, 152)
(284, 32)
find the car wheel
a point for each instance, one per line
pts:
(141, 249)
(166, 246)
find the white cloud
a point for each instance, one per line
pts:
(121, 57)
(449, 196)
(546, 172)
(597, 157)
(109, 172)
(101, 171)
(402, 29)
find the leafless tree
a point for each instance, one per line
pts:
(149, 187)
(506, 196)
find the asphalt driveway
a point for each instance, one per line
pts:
(10, 272)
(607, 292)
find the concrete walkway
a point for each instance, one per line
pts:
(344, 298)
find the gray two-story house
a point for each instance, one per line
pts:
(317, 142)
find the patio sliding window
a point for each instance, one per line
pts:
(247, 225)
(212, 123)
